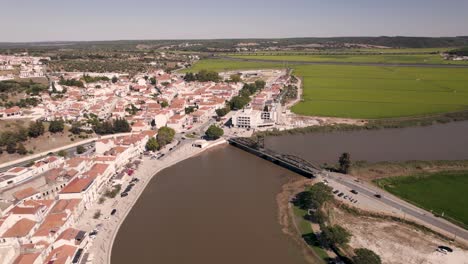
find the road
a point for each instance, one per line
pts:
(350, 63)
(405, 208)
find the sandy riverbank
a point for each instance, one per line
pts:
(101, 247)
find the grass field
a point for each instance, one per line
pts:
(369, 92)
(442, 193)
(358, 58)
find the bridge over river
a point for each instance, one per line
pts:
(294, 163)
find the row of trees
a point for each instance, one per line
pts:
(202, 76)
(119, 125)
(240, 101)
(70, 82)
(90, 79)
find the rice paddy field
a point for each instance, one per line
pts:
(358, 58)
(443, 193)
(368, 92)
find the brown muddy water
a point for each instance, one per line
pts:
(218, 207)
(438, 142)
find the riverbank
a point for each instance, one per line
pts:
(101, 247)
(371, 124)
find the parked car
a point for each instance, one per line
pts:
(113, 211)
(354, 191)
(378, 195)
(336, 191)
(124, 194)
(340, 194)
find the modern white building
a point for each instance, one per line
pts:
(250, 118)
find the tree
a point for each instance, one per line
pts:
(189, 109)
(335, 236)
(223, 111)
(189, 77)
(235, 78)
(165, 136)
(303, 200)
(152, 144)
(56, 126)
(366, 256)
(21, 149)
(164, 104)
(214, 132)
(80, 149)
(238, 102)
(62, 153)
(121, 125)
(35, 129)
(114, 79)
(345, 162)
(320, 193)
(153, 81)
(260, 84)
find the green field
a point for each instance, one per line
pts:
(226, 65)
(358, 58)
(442, 193)
(380, 92)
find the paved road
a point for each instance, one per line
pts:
(350, 63)
(400, 205)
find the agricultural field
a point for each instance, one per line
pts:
(380, 92)
(368, 92)
(226, 65)
(358, 58)
(443, 193)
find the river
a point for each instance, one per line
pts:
(218, 207)
(437, 142)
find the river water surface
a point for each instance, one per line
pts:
(437, 142)
(218, 207)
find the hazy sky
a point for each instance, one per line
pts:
(46, 20)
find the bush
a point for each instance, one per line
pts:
(56, 126)
(36, 129)
(80, 149)
(366, 256)
(21, 149)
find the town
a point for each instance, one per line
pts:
(45, 202)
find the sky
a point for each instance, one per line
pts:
(86, 20)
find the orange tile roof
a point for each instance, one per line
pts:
(25, 193)
(20, 228)
(78, 185)
(68, 234)
(26, 258)
(61, 254)
(51, 224)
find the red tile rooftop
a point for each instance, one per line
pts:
(61, 254)
(68, 234)
(65, 204)
(51, 224)
(78, 185)
(27, 258)
(25, 193)
(20, 228)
